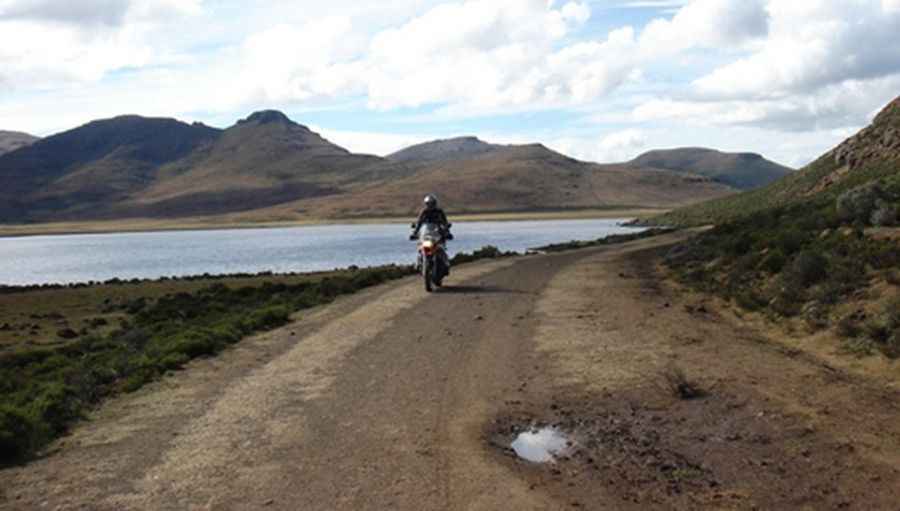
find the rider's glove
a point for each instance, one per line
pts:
(449, 236)
(412, 237)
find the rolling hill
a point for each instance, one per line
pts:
(12, 140)
(444, 150)
(744, 171)
(514, 178)
(267, 167)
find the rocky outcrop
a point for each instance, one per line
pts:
(878, 142)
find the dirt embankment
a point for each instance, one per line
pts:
(401, 400)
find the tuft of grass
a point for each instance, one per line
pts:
(676, 382)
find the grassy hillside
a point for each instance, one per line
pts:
(744, 171)
(820, 245)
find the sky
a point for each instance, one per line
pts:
(600, 80)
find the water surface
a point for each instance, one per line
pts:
(99, 257)
(540, 446)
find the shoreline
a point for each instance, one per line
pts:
(149, 225)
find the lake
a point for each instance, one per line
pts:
(150, 255)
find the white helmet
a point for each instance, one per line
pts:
(430, 201)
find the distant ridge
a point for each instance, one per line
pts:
(744, 171)
(442, 150)
(12, 140)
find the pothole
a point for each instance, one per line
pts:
(541, 445)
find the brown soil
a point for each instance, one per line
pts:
(395, 399)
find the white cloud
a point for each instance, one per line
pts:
(610, 148)
(46, 44)
(89, 13)
(850, 103)
(813, 44)
(485, 54)
(296, 63)
(707, 24)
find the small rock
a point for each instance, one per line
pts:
(269, 502)
(479, 318)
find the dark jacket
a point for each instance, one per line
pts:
(431, 216)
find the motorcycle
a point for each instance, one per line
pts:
(432, 259)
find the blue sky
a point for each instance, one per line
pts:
(599, 80)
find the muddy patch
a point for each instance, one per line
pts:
(719, 450)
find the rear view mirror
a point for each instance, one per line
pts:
(413, 225)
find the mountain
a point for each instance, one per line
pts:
(81, 171)
(744, 171)
(268, 167)
(263, 160)
(443, 150)
(871, 155)
(12, 140)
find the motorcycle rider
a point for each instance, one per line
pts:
(432, 214)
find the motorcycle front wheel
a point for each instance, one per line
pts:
(427, 265)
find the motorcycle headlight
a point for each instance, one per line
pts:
(428, 244)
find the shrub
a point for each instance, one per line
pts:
(791, 241)
(774, 261)
(858, 204)
(269, 317)
(849, 327)
(808, 267)
(877, 330)
(892, 313)
(885, 214)
(892, 276)
(17, 432)
(750, 300)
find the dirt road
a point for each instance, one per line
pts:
(394, 399)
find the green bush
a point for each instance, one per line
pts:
(807, 268)
(774, 261)
(858, 204)
(750, 300)
(17, 433)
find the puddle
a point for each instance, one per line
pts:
(540, 445)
